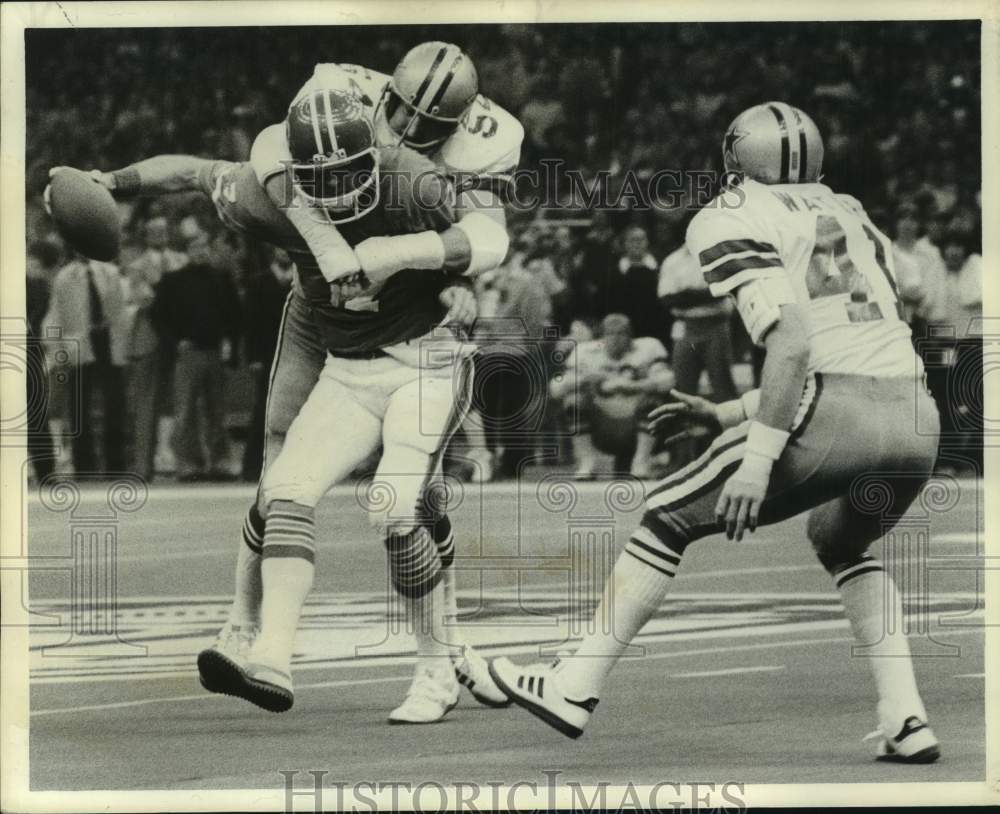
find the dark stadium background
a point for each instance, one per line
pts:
(898, 104)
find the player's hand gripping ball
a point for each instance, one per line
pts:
(84, 212)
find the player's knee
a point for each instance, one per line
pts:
(279, 485)
(414, 563)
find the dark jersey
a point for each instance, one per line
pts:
(406, 307)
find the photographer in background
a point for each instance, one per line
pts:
(612, 383)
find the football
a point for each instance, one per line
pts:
(85, 213)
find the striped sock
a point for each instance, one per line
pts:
(245, 610)
(875, 611)
(631, 596)
(415, 570)
(287, 571)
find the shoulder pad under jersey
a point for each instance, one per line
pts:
(368, 83)
(269, 155)
(485, 149)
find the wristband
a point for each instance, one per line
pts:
(127, 181)
(731, 413)
(766, 441)
(756, 466)
(488, 242)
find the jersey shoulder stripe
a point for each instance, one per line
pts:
(724, 269)
(725, 248)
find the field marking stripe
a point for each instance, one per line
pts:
(349, 682)
(971, 675)
(732, 671)
(189, 493)
(206, 695)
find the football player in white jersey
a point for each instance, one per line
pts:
(430, 104)
(842, 414)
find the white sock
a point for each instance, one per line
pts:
(427, 616)
(631, 596)
(287, 572)
(875, 611)
(245, 610)
(451, 631)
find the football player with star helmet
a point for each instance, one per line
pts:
(431, 90)
(842, 407)
(774, 143)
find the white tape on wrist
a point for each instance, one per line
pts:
(488, 242)
(766, 441)
(756, 466)
(423, 250)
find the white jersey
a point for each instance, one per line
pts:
(482, 153)
(591, 357)
(839, 264)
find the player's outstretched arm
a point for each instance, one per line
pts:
(154, 176)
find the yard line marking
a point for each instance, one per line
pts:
(732, 671)
(956, 537)
(206, 695)
(350, 682)
(971, 675)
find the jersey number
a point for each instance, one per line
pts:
(832, 272)
(486, 125)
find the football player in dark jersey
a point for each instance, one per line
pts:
(376, 332)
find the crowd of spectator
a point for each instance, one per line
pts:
(898, 104)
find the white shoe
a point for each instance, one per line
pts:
(267, 683)
(536, 688)
(914, 743)
(432, 695)
(221, 666)
(473, 673)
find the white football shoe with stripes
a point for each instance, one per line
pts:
(221, 666)
(432, 695)
(914, 743)
(473, 673)
(536, 688)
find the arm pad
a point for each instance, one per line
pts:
(488, 242)
(334, 256)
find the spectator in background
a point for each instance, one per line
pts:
(957, 384)
(264, 305)
(631, 290)
(594, 259)
(919, 272)
(43, 260)
(148, 373)
(197, 310)
(88, 309)
(611, 384)
(511, 381)
(701, 335)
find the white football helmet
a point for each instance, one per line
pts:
(774, 143)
